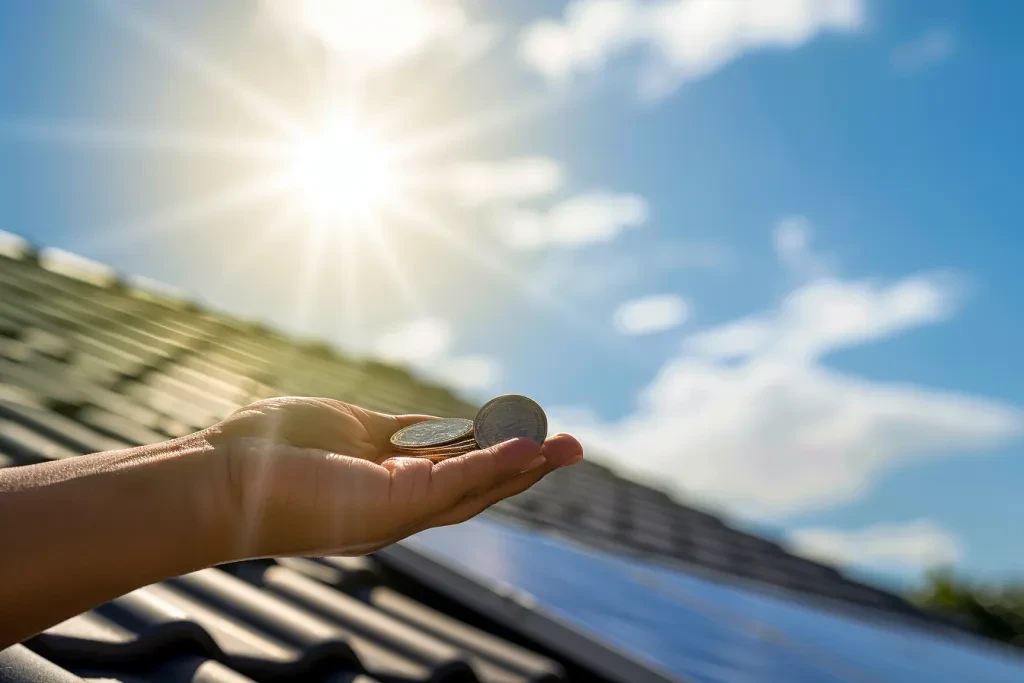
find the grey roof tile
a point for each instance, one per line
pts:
(358, 617)
(305, 630)
(18, 664)
(181, 669)
(85, 368)
(58, 428)
(485, 649)
(29, 446)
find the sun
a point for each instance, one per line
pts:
(342, 171)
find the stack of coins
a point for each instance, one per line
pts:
(500, 419)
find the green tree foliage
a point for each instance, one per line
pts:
(995, 612)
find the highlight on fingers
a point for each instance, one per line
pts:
(562, 450)
(464, 475)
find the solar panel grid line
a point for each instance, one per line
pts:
(825, 662)
(701, 561)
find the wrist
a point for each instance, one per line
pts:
(191, 475)
(164, 500)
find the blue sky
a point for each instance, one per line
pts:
(766, 255)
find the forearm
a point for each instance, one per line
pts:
(79, 532)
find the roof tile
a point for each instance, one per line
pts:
(86, 367)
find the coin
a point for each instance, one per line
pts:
(464, 447)
(458, 445)
(432, 433)
(509, 417)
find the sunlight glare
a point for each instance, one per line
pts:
(342, 172)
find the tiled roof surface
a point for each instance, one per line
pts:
(87, 367)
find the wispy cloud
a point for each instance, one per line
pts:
(425, 344)
(469, 373)
(415, 341)
(747, 416)
(510, 180)
(828, 314)
(916, 545)
(583, 219)
(928, 49)
(683, 39)
(600, 273)
(381, 33)
(651, 314)
(792, 238)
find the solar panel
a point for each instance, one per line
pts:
(707, 631)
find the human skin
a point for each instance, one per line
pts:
(284, 476)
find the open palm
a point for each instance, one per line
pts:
(317, 476)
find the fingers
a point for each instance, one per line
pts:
(474, 506)
(559, 451)
(410, 480)
(476, 481)
(562, 449)
(381, 426)
(406, 420)
(464, 476)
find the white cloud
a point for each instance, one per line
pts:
(792, 238)
(415, 341)
(512, 180)
(681, 39)
(469, 373)
(593, 31)
(747, 416)
(916, 545)
(926, 50)
(651, 314)
(579, 220)
(600, 272)
(381, 33)
(829, 314)
(11, 245)
(425, 344)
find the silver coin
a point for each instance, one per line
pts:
(432, 432)
(509, 417)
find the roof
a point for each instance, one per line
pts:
(89, 362)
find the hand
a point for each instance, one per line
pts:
(316, 476)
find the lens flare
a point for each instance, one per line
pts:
(341, 171)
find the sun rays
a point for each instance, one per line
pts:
(342, 171)
(346, 191)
